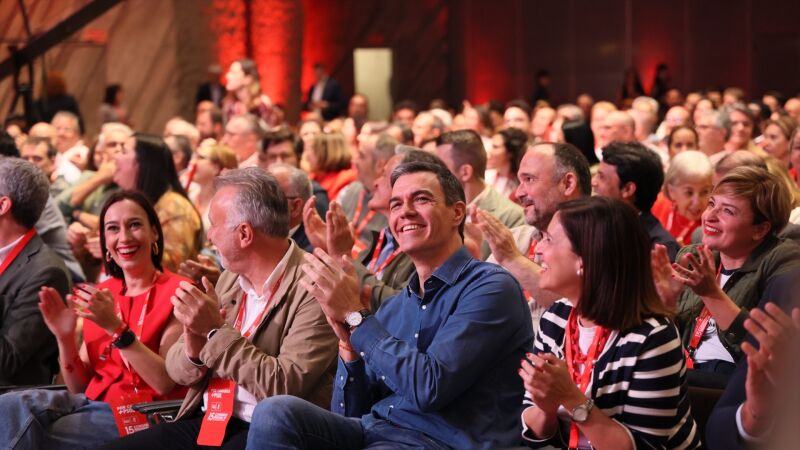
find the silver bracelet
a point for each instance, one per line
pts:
(211, 334)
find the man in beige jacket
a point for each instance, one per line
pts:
(257, 334)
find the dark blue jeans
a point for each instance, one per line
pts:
(286, 422)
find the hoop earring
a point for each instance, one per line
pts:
(155, 248)
(580, 272)
(108, 256)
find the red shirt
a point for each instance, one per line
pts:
(333, 182)
(111, 377)
(678, 225)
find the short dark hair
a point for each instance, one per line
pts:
(110, 96)
(282, 134)
(521, 104)
(111, 267)
(467, 149)
(26, 186)
(569, 158)
(411, 154)
(671, 135)
(48, 143)
(617, 289)
(157, 173)
(639, 165)
(7, 145)
(216, 116)
(406, 104)
(453, 191)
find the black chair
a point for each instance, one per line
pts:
(702, 400)
(159, 412)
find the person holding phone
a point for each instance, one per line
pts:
(128, 327)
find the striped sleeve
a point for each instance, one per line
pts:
(652, 402)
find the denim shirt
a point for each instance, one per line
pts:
(444, 364)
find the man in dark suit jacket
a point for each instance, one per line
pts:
(28, 350)
(325, 95)
(726, 423)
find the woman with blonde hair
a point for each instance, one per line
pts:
(687, 185)
(210, 161)
(714, 284)
(777, 137)
(329, 163)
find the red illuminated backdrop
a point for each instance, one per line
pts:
(480, 50)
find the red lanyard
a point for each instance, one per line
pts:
(359, 225)
(17, 249)
(136, 331)
(699, 330)
(377, 253)
(575, 358)
(682, 235)
(531, 256)
(240, 316)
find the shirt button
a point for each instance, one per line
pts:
(391, 406)
(351, 379)
(361, 353)
(416, 335)
(341, 405)
(383, 377)
(424, 306)
(341, 377)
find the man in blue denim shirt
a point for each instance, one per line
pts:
(436, 365)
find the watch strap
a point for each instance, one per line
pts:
(125, 339)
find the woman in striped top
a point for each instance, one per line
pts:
(609, 371)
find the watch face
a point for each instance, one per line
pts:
(353, 319)
(580, 414)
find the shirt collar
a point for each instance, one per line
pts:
(4, 251)
(480, 196)
(248, 288)
(391, 242)
(449, 271)
(294, 229)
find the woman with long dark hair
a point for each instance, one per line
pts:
(145, 164)
(128, 327)
(609, 371)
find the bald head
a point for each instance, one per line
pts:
(792, 108)
(676, 116)
(542, 120)
(618, 126)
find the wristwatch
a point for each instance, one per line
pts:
(354, 319)
(125, 339)
(580, 413)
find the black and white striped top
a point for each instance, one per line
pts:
(639, 380)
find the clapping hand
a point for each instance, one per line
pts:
(548, 382)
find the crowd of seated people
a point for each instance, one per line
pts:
(587, 275)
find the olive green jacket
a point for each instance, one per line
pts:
(773, 257)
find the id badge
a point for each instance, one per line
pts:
(358, 247)
(219, 410)
(129, 421)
